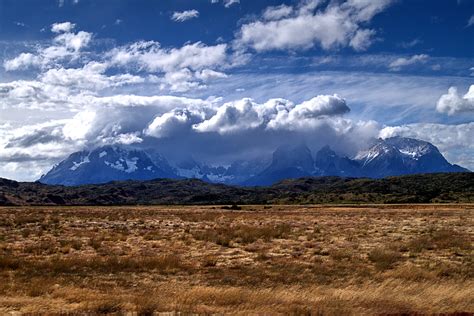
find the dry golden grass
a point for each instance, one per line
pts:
(310, 260)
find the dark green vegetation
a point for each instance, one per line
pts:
(426, 188)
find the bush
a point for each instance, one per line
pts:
(244, 234)
(384, 259)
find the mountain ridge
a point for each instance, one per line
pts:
(425, 188)
(386, 157)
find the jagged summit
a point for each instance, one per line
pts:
(399, 156)
(386, 157)
(105, 164)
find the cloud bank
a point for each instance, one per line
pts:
(311, 23)
(453, 103)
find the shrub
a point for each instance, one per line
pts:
(384, 259)
(8, 263)
(244, 234)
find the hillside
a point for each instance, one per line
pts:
(426, 188)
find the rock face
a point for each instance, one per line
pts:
(288, 162)
(400, 156)
(328, 163)
(107, 164)
(388, 157)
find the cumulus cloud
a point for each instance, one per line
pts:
(174, 124)
(22, 61)
(277, 12)
(190, 67)
(232, 117)
(308, 113)
(65, 45)
(150, 56)
(453, 103)
(62, 27)
(91, 77)
(184, 15)
(308, 25)
(401, 62)
(184, 68)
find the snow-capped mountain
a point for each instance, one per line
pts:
(399, 156)
(107, 164)
(388, 157)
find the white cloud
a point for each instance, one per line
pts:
(362, 40)
(174, 122)
(401, 62)
(232, 117)
(64, 27)
(228, 3)
(184, 15)
(22, 61)
(278, 12)
(308, 114)
(179, 69)
(208, 74)
(90, 77)
(180, 81)
(73, 41)
(471, 21)
(78, 127)
(184, 68)
(453, 103)
(331, 27)
(65, 45)
(275, 114)
(151, 57)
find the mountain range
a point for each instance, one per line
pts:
(386, 157)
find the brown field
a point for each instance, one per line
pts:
(312, 260)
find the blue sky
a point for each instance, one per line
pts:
(192, 77)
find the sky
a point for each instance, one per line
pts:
(221, 80)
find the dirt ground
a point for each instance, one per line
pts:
(312, 260)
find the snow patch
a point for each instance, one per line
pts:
(76, 165)
(116, 165)
(131, 165)
(125, 165)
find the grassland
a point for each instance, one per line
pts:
(312, 260)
